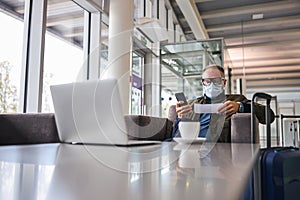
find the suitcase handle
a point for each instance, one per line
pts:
(263, 96)
(268, 117)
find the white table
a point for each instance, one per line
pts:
(169, 171)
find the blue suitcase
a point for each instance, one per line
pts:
(280, 166)
(280, 173)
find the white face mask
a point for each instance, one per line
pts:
(213, 90)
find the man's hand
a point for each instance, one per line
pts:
(182, 111)
(229, 108)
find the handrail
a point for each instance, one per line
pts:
(288, 116)
(281, 123)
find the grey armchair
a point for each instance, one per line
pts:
(239, 126)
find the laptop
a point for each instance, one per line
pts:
(91, 112)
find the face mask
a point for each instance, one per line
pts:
(213, 90)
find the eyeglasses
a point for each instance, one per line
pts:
(215, 81)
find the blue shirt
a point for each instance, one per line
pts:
(204, 124)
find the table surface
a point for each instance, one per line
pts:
(166, 171)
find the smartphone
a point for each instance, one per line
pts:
(181, 97)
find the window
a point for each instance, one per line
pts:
(149, 8)
(104, 47)
(174, 29)
(63, 48)
(137, 84)
(138, 9)
(11, 36)
(167, 18)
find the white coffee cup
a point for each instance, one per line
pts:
(189, 129)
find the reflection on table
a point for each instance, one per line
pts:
(166, 171)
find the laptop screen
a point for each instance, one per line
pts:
(89, 112)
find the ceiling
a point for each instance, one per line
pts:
(265, 52)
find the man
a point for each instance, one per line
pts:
(214, 82)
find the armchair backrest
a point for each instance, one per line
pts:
(141, 127)
(27, 128)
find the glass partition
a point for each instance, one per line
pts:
(181, 68)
